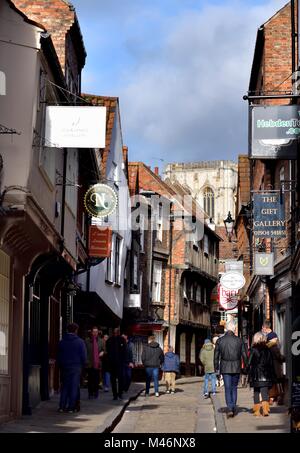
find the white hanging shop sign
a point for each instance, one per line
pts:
(75, 127)
(233, 280)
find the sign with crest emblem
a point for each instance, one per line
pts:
(264, 263)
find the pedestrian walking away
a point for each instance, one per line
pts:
(229, 352)
(94, 347)
(71, 359)
(152, 359)
(129, 363)
(276, 393)
(116, 355)
(105, 366)
(207, 360)
(171, 367)
(261, 373)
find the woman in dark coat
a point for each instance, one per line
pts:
(278, 359)
(261, 373)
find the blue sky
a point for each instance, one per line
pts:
(180, 69)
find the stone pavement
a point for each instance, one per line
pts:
(184, 412)
(277, 422)
(96, 416)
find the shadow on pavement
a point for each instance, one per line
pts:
(270, 427)
(223, 410)
(146, 407)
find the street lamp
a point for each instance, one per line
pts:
(229, 222)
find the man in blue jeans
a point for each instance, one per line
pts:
(229, 352)
(152, 359)
(207, 360)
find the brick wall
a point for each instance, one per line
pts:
(56, 15)
(277, 53)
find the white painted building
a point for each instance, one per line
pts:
(106, 282)
(213, 183)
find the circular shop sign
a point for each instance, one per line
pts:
(233, 280)
(100, 200)
(230, 303)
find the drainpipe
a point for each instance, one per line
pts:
(63, 197)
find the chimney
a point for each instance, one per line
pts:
(156, 171)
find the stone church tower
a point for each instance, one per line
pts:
(213, 183)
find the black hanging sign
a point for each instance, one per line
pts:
(268, 215)
(274, 131)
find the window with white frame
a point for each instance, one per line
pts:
(160, 222)
(113, 269)
(118, 261)
(156, 281)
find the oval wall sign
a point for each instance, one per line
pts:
(233, 280)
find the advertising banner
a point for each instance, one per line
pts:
(274, 131)
(75, 127)
(228, 299)
(234, 265)
(268, 215)
(264, 263)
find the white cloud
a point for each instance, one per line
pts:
(180, 72)
(186, 103)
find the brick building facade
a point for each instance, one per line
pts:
(269, 297)
(175, 301)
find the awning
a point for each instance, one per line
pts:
(145, 328)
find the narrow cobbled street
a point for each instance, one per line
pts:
(186, 411)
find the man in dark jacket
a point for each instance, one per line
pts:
(152, 359)
(116, 357)
(229, 352)
(71, 359)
